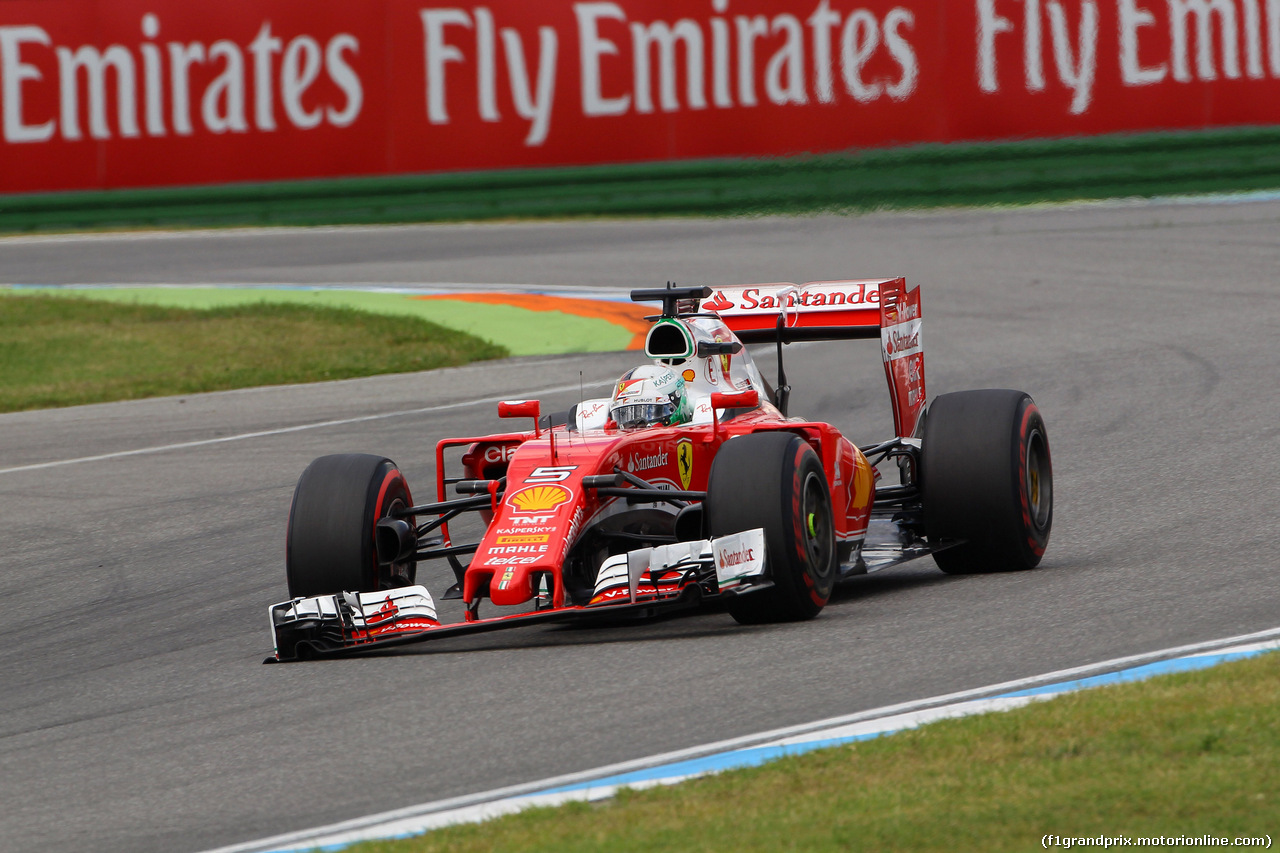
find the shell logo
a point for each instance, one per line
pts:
(539, 499)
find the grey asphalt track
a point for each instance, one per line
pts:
(135, 714)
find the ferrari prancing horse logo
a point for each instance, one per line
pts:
(684, 462)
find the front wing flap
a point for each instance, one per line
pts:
(326, 623)
(728, 563)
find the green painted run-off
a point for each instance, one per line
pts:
(551, 332)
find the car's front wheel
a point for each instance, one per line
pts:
(330, 545)
(775, 481)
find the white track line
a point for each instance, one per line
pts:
(515, 797)
(244, 436)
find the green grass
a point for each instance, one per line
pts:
(521, 332)
(1018, 172)
(64, 352)
(1195, 753)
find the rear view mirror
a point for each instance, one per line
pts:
(522, 409)
(738, 400)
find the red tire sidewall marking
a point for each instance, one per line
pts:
(391, 477)
(798, 482)
(797, 509)
(1028, 414)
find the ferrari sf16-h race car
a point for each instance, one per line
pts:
(688, 484)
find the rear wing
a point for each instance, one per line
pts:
(837, 310)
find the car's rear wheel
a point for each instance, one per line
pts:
(775, 481)
(986, 480)
(331, 540)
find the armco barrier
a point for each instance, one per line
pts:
(924, 176)
(109, 94)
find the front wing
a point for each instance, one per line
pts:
(637, 583)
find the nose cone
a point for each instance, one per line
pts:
(513, 585)
(530, 535)
(542, 513)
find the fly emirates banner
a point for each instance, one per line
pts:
(124, 93)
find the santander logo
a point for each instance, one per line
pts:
(814, 296)
(736, 558)
(901, 342)
(717, 302)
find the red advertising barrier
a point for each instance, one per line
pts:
(126, 93)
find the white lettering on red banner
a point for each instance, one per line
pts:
(117, 95)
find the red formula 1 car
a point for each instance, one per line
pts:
(721, 495)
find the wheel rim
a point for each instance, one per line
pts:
(816, 523)
(1038, 480)
(396, 574)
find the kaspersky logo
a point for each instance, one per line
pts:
(537, 500)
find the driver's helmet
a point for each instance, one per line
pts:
(650, 395)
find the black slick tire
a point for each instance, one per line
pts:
(336, 505)
(986, 478)
(775, 481)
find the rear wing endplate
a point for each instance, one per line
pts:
(837, 310)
